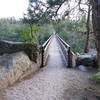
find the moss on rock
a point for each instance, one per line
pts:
(96, 77)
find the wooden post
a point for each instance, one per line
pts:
(96, 26)
(42, 58)
(69, 58)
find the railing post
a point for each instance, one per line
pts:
(42, 58)
(69, 58)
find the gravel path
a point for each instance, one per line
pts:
(53, 82)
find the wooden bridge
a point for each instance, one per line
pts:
(57, 46)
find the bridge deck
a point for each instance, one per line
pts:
(54, 82)
(55, 55)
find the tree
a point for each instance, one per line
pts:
(87, 44)
(96, 25)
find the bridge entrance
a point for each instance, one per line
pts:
(57, 52)
(55, 58)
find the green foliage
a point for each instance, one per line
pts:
(26, 34)
(54, 2)
(46, 31)
(24, 31)
(72, 32)
(13, 30)
(96, 77)
(8, 29)
(36, 28)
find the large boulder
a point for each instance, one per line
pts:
(87, 60)
(14, 67)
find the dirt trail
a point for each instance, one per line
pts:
(53, 82)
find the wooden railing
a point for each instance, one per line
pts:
(67, 52)
(45, 54)
(68, 55)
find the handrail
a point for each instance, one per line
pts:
(67, 45)
(45, 54)
(44, 45)
(68, 53)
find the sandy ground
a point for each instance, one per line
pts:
(53, 82)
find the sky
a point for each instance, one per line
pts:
(16, 8)
(13, 8)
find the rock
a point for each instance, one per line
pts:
(92, 93)
(14, 67)
(82, 68)
(8, 47)
(86, 60)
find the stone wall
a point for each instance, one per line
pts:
(14, 67)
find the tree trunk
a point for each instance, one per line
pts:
(87, 44)
(96, 25)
